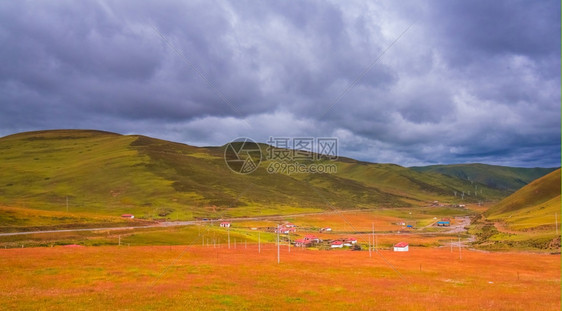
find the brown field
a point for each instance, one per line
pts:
(195, 277)
(339, 221)
(351, 221)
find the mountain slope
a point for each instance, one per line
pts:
(110, 174)
(525, 220)
(532, 206)
(499, 177)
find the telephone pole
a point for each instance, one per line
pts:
(289, 244)
(373, 234)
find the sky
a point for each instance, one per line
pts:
(404, 82)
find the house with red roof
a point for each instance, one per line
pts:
(401, 247)
(303, 243)
(308, 240)
(286, 230)
(349, 241)
(131, 216)
(336, 244)
(312, 238)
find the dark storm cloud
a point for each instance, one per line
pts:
(470, 81)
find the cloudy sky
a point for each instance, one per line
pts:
(412, 83)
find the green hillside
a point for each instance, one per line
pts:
(532, 206)
(526, 219)
(104, 173)
(505, 178)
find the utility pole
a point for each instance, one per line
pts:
(370, 247)
(119, 240)
(228, 232)
(278, 250)
(66, 203)
(289, 245)
(373, 229)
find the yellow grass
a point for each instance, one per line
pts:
(195, 278)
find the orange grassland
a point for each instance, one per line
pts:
(196, 277)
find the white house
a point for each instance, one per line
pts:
(401, 247)
(337, 244)
(225, 224)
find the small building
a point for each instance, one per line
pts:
(443, 223)
(289, 225)
(302, 243)
(312, 238)
(130, 216)
(349, 241)
(327, 229)
(401, 247)
(225, 224)
(307, 241)
(336, 244)
(286, 230)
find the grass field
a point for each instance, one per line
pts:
(195, 278)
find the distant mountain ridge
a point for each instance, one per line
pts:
(499, 177)
(108, 173)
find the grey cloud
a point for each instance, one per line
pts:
(470, 81)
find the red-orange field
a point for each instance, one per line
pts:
(187, 278)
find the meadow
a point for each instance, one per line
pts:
(213, 278)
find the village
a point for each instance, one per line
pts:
(327, 239)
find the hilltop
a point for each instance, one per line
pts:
(88, 171)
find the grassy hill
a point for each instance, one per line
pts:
(532, 206)
(95, 172)
(499, 177)
(526, 218)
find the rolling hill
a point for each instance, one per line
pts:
(87, 171)
(505, 178)
(532, 206)
(526, 219)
